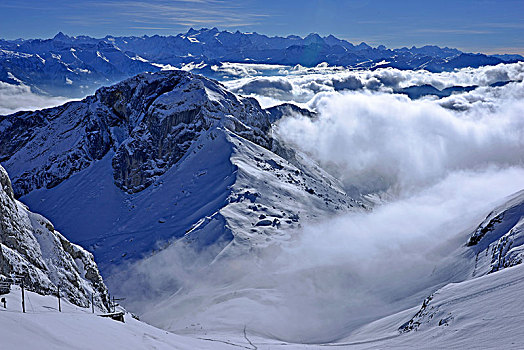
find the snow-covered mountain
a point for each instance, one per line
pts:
(499, 240)
(31, 249)
(76, 66)
(171, 165)
(480, 313)
(161, 156)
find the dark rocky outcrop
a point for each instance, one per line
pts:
(145, 123)
(33, 251)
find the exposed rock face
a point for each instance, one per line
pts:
(181, 149)
(499, 240)
(277, 112)
(30, 247)
(498, 243)
(148, 121)
(184, 106)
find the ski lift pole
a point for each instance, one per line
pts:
(23, 297)
(59, 306)
(115, 304)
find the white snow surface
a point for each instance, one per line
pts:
(43, 327)
(463, 315)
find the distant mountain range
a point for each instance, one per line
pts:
(77, 66)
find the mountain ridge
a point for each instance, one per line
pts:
(167, 155)
(76, 66)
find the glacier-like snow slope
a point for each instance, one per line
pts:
(76, 66)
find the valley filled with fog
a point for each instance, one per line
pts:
(430, 169)
(427, 156)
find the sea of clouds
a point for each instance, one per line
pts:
(442, 164)
(301, 84)
(386, 142)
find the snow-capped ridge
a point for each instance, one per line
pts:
(149, 121)
(76, 65)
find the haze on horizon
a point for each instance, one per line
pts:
(486, 26)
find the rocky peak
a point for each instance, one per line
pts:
(5, 183)
(148, 122)
(164, 113)
(61, 36)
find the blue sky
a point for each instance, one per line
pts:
(473, 25)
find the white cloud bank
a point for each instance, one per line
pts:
(378, 142)
(301, 84)
(446, 168)
(14, 98)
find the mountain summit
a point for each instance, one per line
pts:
(160, 156)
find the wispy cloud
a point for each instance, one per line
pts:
(453, 31)
(184, 12)
(505, 25)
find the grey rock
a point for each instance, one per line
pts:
(31, 248)
(146, 123)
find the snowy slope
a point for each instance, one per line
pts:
(148, 160)
(499, 239)
(465, 315)
(222, 176)
(494, 244)
(483, 312)
(43, 327)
